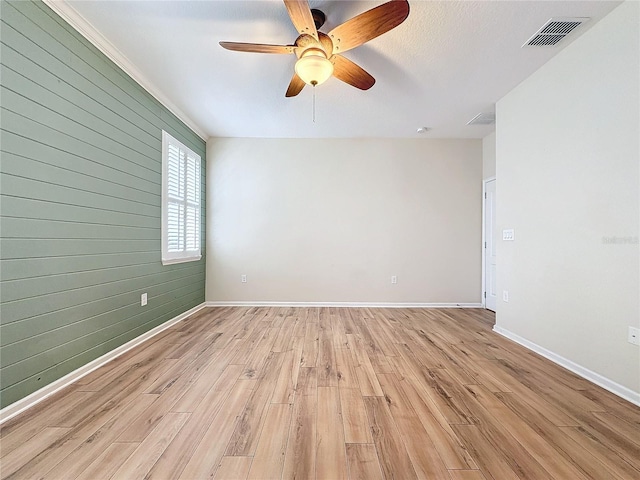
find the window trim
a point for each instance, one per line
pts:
(170, 258)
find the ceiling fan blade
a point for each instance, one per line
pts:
(257, 47)
(295, 87)
(301, 16)
(351, 73)
(368, 25)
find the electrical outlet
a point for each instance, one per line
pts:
(243, 278)
(634, 335)
(143, 299)
(394, 279)
(505, 296)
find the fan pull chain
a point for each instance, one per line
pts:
(314, 105)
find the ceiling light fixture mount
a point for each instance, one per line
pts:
(318, 17)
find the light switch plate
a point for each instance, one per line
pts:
(508, 235)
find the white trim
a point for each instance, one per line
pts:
(604, 382)
(29, 401)
(88, 31)
(484, 239)
(342, 304)
(173, 261)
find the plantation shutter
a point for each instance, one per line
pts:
(181, 202)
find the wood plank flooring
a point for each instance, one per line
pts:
(328, 394)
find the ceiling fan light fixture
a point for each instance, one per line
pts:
(320, 54)
(313, 67)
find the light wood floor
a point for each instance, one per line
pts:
(328, 394)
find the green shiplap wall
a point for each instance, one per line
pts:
(80, 214)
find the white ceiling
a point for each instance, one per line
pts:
(446, 63)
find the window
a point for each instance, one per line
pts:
(180, 202)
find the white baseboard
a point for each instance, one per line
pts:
(344, 304)
(29, 401)
(604, 382)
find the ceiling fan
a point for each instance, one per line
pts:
(320, 54)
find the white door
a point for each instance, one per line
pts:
(490, 244)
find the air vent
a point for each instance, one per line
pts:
(483, 119)
(554, 31)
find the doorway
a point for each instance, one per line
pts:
(489, 244)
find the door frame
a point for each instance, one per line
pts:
(484, 272)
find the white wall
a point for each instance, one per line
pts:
(568, 168)
(331, 220)
(489, 156)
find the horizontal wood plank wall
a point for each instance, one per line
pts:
(80, 207)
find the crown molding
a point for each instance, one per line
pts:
(88, 31)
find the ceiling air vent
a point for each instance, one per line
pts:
(483, 119)
(553, 31)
